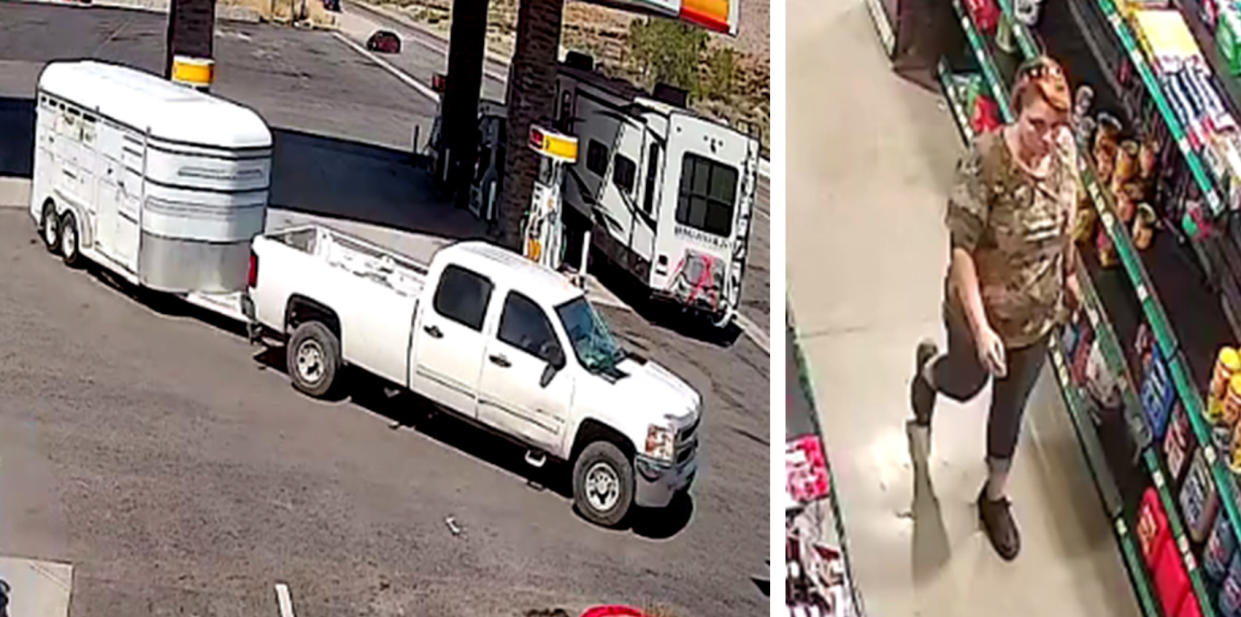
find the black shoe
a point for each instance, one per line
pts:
(922, 395)
(997, 521)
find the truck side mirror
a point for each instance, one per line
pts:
(555, 362)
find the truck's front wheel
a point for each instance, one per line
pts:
(313, 358)
(603, 484)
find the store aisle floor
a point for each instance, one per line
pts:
(870, 159)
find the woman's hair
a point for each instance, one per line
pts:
(1041, 77)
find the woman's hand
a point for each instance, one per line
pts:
(991, 351)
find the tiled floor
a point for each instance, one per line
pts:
(870, 158)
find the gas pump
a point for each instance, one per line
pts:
(542, 232)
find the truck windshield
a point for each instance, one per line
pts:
(594, 345)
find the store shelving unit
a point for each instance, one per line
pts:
(948, 89)
(1173, 286)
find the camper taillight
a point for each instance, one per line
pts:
(252, 279)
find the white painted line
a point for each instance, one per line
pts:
(756, 334)
(409, 81)
(283, 599)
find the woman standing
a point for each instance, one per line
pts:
(1009, 217)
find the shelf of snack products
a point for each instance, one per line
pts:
(984, 52)
(819, 579)
(1098, 371)
(1131, 550)
(962, 92)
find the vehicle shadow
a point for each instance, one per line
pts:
(406, 410)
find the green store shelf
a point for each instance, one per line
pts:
(1021, 32)
(989, 71)
(1114, 355)
(1187, 390)
(1104, 482)
(944, 73)
(1196, 166)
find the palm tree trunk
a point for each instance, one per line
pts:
(531, 99)
(191, 31)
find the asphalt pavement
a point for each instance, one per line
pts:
(148, 446)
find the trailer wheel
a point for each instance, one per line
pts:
(49, 227)
(313, 359)
(69, 244)
(603, 484)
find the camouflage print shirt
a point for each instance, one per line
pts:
(1017, 229)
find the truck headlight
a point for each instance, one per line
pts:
(660, 442)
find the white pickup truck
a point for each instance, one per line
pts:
(499, 340)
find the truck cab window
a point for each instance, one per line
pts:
(707, 196)
(525, 326)
(623, 172)
(597, 158)
(462, 296)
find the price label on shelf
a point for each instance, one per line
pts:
(1108, 220)
(1093, 315)
(1191, 564)
(1121, 530)
(1209, 453)
(1183, 543)
(1183, 144)
(1142, 294)
(1158, 477)
(1213, 201)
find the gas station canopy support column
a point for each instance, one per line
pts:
(459, 108)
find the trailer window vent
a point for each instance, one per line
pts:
(672, 95)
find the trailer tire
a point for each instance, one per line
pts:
(603, 484)
(313, 359)
(49, 227)
(70, 240)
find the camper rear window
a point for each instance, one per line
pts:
(597, 157)
(707, 195)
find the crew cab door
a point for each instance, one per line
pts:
(449, 340)
(513, 394)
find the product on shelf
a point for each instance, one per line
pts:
(1144, 227)
(1081, 354)
(1126, 169)
(1157, 393)
(1219, 549)
(1152, 528)
(1084, 125)
(1228, 36)
(985, 13)
(1100, 382)
(806, 469)
(1227, 364)
(1106, 145)
(1199, 499)
(1108, 258)
(1230, 591)
(1208, 12)
(1190, 608)
(1171, 580)
(1232, 402)
(1178, 442)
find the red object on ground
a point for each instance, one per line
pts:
(806, 469)
(613, 611)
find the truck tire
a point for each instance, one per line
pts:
(603, 484)
(313, 359)
(70, 243)
(49, 227)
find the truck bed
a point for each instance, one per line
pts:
(359, 257)
(371, 290)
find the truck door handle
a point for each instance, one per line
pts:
(434, 331)
(499, 360)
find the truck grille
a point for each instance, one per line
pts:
(688, 432)
(686, 453)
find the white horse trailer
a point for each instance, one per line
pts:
(160, 184)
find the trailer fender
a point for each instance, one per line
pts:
(86, 227)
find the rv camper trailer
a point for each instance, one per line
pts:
(158, 183)
(666, 193)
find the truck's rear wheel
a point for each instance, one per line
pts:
(603, 484)
(313, 358)
(69, 243)
(49, 227)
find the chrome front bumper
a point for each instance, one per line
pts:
(656, 482)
